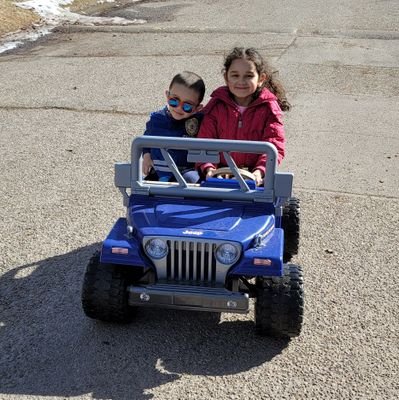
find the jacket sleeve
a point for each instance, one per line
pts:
(160, 165)
(147, 132)
(273, 133)
(208, 130)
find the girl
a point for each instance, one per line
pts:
(249, 107)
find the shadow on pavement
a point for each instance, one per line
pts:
(49, 347)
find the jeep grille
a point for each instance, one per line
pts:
(190, 261)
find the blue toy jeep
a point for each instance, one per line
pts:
(206, 247)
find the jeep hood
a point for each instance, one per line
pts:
(215, 220)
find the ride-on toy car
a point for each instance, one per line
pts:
(208, 247)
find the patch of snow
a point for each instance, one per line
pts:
(54, 13)
(17, 39)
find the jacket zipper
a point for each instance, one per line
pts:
(239, 120)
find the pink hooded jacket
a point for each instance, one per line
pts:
(261, 121)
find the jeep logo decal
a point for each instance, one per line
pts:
(188, 232)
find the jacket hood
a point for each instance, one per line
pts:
(222, 94)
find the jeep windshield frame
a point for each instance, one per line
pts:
(277, 185)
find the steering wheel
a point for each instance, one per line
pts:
(226, 172)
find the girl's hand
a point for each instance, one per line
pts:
(209, 172)
(258, 177)
(147, 163)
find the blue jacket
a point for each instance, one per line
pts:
(162, 124)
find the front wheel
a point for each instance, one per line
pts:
(104, 292)
(279, 303)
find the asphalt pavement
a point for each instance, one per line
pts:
(70, 105)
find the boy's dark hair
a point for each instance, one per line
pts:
(192, 81)
(271, 82)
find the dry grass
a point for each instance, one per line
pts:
(82, 5)
(94, 7)
(13, 18)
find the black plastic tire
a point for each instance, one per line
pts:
(279, 304)
(104, 292)
(291, 226)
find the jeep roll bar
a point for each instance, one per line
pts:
(277, 185)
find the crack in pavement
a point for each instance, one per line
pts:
(356, 34)
(343, 192)
(71, 109)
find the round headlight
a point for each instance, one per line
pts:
(156, 248)
(227, 253)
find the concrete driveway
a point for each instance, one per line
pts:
(69, 108)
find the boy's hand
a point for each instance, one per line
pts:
(258, 177)
(147, 163)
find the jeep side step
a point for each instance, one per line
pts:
(186, 297)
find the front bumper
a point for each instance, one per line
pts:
(184, 297)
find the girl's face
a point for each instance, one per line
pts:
(243, 79)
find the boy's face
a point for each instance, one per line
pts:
(182, 101)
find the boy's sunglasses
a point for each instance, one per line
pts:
(186, 107)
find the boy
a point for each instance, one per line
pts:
(179, 118)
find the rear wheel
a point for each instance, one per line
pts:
(104, 292)
(279, 303)
(291, 227)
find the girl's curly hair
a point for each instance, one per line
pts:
(271, 82)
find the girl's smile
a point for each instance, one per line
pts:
(243, 80)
